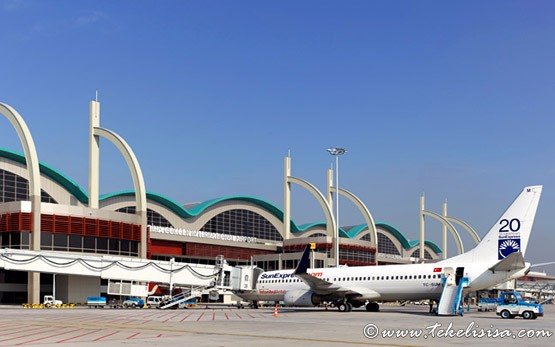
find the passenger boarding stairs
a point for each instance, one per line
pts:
(450, 302)
(182, 297)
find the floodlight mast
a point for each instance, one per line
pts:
(336, 152)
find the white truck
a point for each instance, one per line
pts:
(50, 301)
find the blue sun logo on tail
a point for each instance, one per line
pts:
(508, 246)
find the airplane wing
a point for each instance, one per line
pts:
(514, 261)
(324, 287)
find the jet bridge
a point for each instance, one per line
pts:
(239, 279)
(118, 268)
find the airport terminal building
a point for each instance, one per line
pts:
(142, 224)
(243, 229)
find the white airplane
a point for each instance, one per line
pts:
(498, 258)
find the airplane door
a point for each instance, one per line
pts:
(449, 275)
(459, 273)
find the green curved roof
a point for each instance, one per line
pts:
(51, 173)
(201, 207)
(323, 225)
(357, 229)
(407, 244)
(198, 209)
(304, 227)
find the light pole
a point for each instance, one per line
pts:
(172, 260)
(336, 151)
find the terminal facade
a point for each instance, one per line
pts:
(244, 229)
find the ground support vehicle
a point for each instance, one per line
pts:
(96, 302)
(514, 305)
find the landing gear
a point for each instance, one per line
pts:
(372, 307)
(345, 307)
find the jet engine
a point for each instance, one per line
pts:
(306, 298)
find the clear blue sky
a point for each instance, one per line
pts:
(454, 99)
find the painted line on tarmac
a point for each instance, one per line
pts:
(202, 314)
(78, 336)
(172, 317)
(15, 327)
(152, 314)
(166, 314)
(187, 316)
(26, 333)
(108, 335)
(46, 337)
(132, 336)
(157, 329)
(299, 339)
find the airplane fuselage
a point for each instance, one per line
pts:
(391, 282)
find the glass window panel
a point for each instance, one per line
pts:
(16, 240)
(45, 239)
(114, 245)
(60, 242)
(25, 239)
(89, 243)
(101, 244)
(75, 242)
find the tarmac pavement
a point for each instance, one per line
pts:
(202, 326)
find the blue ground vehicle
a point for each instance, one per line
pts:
(514, 305)
(134, 302)
(96, 301)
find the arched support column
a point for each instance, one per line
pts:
(450, 226)
(467, 227)
(364, 210)
(136, 174)
(330, 221)
(32, 162)
(331, 226)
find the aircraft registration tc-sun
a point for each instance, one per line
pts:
(499, 257)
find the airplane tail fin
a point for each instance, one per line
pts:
(304, 262)
(512, 230)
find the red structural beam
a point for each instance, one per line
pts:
(206, 250)
(21, 221)
(327, 246)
